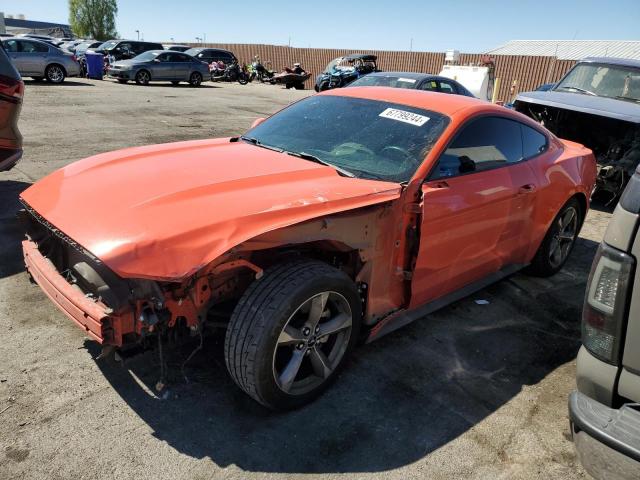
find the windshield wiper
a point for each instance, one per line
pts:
(630, 99)
(313, 158)
(577, 89)
(258, 143)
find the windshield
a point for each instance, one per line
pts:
(108, 45)
(612, 81)
(385, 81)
(146, 56)
(367, 138)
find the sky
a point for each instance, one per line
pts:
(419, 25)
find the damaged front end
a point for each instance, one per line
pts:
(121, 313)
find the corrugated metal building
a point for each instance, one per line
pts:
(571, 49)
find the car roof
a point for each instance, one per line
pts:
(446, 104)
(625, 62)
(361, 56)
(412, 75)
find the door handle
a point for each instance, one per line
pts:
(528, 188)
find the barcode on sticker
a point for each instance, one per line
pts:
(404, 116)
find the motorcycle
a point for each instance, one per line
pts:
(231, 73)
(260, 72)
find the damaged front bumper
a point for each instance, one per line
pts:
(94, 317)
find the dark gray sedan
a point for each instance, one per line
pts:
(162, 66)
(416, 81)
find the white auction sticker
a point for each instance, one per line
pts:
(406, 80)
(404, 116)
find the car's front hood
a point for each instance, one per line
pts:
(580, 102)
(164, 211)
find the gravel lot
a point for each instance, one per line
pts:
(473, 391)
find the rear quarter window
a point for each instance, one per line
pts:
(533, 142)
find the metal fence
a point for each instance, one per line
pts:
(522, 72)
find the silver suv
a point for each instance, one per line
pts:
(39, 60)
(605, 410)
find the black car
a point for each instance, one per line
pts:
(125, 49)
(212, 55)
(415, 81)
(341, 71)
(11, 92)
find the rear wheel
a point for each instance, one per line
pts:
(143, 77)
(54, 73)
(195, 79)
(291, 333)
(558, 242)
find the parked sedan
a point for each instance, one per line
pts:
(160, 65)
(39, 60)
(340, 218)
(416, 81)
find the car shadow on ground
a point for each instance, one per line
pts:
(67, 83)
(170, 85)
(399, 398)
(11, 234)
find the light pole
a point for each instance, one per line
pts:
(138, 32)
(198, 39)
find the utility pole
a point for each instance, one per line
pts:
(204, 38)
(138, 32)
(411, 45)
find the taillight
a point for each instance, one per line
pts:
(605, 303)
(11, 89)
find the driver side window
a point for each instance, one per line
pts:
(482, 144)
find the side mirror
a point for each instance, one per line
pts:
(257, 122)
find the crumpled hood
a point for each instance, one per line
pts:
(165, 211)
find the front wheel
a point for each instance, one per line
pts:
(143, 77)
(243, 78)
(195, 79)
(558, 242)
(291, 333)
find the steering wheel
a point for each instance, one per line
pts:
(350, 148)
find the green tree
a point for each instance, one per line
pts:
(93, 18)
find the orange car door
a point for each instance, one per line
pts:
(477, 209)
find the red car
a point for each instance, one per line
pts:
(11, 93)
(340, 218)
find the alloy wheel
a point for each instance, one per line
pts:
(55, 74)
(564, 237)
(312, 343)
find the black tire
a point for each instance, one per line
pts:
(195, 79)
(122, 80)
(55, 73)
(299, 86)
(243, 78)
(544, 264)
(143, 77)
(260, 317)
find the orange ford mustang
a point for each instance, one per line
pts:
(342, 217)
